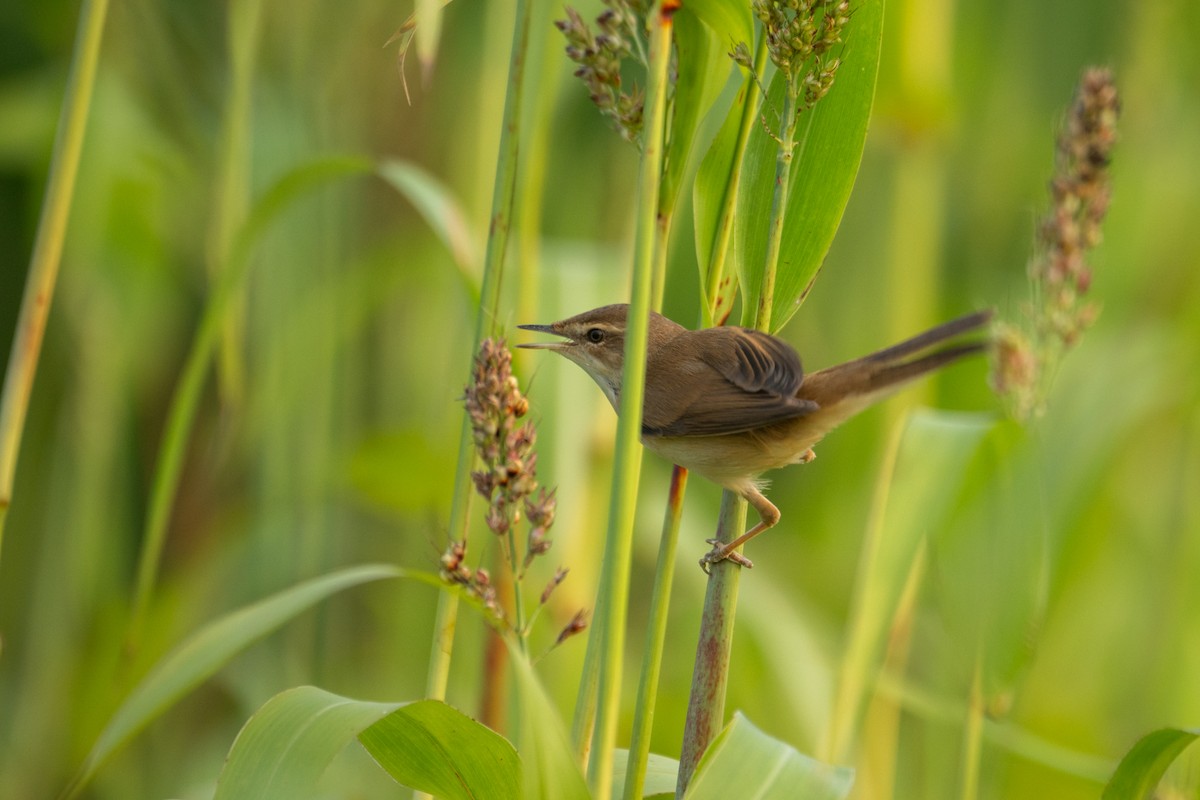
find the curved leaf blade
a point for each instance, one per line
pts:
(1143, 766)
(745, 762)
(437, 206)
(210, 648)
(436, 749)
(284, 747)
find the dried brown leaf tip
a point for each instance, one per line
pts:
(600, 55)
(1027, 355)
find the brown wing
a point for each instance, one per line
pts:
(723, 380)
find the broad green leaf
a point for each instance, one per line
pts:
(661, 773)
(431, 747)
(283, 749)
(437, 205)
(549, 770)
(1143, 766)
(744, 762)
(990, 558)
(829, 147)
(703, 67)
(730, 20)
(916, 491)
(202, 654)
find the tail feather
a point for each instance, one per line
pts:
(946, 330)
(855, 384)
(896, 374)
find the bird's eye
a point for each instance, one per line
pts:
(595, 335)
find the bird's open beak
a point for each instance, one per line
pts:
(543, 345)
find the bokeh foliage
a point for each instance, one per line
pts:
(327, 436)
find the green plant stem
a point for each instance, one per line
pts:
(608, 644)
(232, 185)
(656, 636)
(48, 246)
(973, 735)
(715, 271)
(783, 171)
(710, 677)
(487, 323)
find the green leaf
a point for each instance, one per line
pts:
(829, 147)
(744, 762)
(730, 20)
(431, 747)
(283, 749)
(916, 491)
(991, 558)
(549, 768)
(703, 67)
(1143, 766)
(661, 773)
(439, 208)
(210, 648)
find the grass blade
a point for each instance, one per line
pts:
(284, 747)
(745, 762)
(206, 651)
(430, 746)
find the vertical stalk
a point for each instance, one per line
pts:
(973, 735)
(710, 677)
(48, 246)
(486, 323)
(608, 643)
(656, 635)
(720, 246)
(783, 171)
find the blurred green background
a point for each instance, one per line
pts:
(328, 436)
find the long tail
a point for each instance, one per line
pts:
(871, 377)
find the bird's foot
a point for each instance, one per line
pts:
(720, 553)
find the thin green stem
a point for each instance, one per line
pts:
(618, 551)
(973, 735)
(48, 246)
(231, 193)
(487, 323)
(715, 272)
(710, 677)
(656, 636)
(783, 171)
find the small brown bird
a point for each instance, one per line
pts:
(732, 403)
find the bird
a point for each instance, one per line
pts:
(731, 403)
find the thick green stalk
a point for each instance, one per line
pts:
(487, 323)
(783, 172)
(710, 677)
(724, 233)
(618, 551)
(48, 246)
(656, 636)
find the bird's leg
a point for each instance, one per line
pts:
(768, 516)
